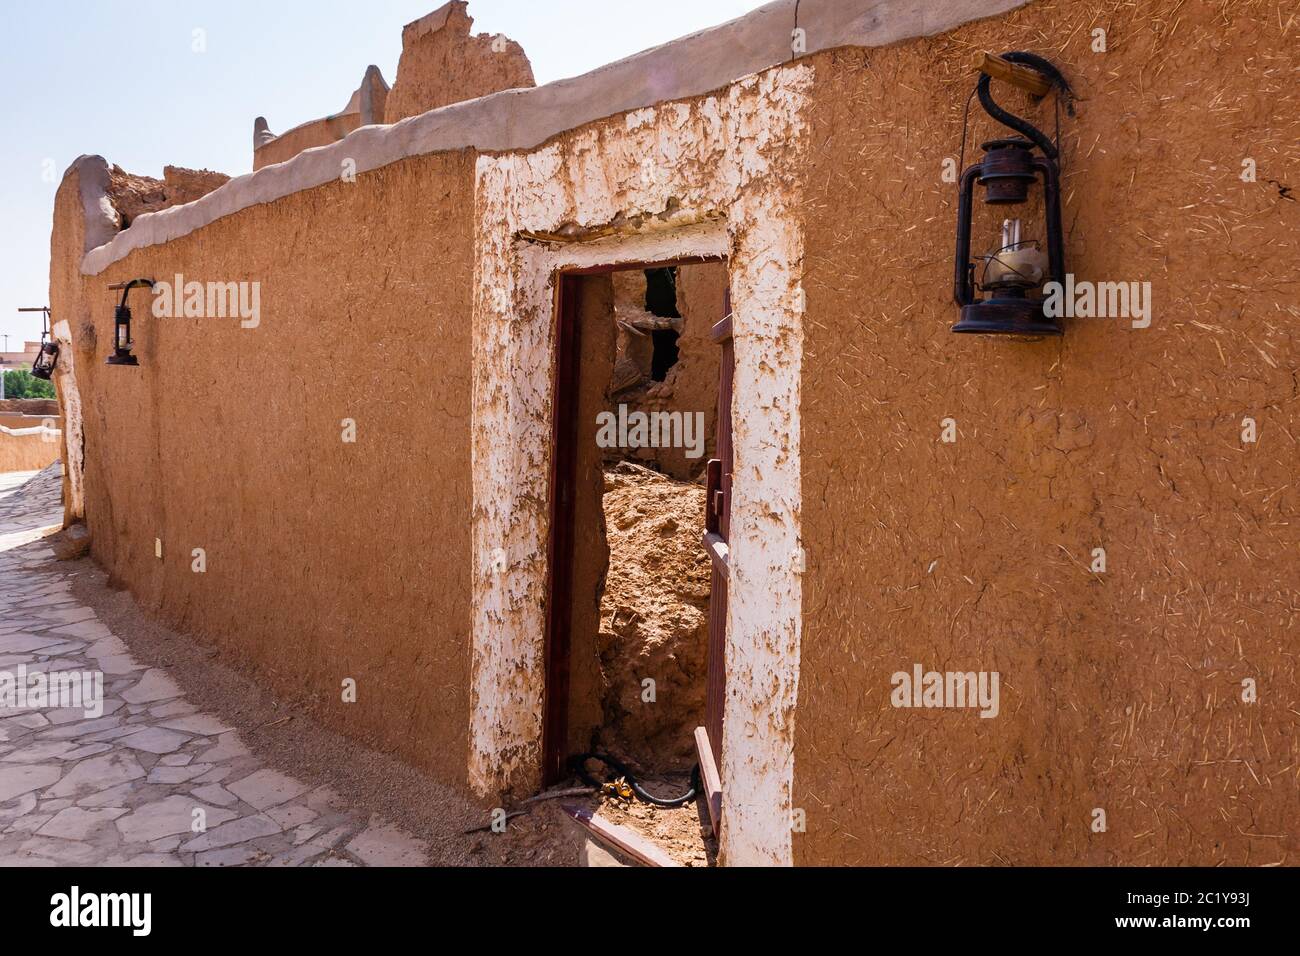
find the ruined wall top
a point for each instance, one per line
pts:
(443, 63)
(516, 119)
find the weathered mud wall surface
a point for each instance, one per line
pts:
(1120, 691)
(365, 108)
(442, 63)
(326, 560)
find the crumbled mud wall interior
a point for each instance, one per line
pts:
(326, 559)
(1120, 691)
(653, 618)
(655, 599)
(443, 63)
(133, 195)
(687, 386)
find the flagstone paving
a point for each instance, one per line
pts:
(151, 781)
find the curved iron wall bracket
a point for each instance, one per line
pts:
(1007, 172)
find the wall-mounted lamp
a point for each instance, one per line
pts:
(122, 324)
(48, 356)
(1016, 267)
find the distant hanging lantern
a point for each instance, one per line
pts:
(48, 355)
(122, 340)
(1016, 267)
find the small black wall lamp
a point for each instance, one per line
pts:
(1016, 267)
(48, 357)
(122, 324)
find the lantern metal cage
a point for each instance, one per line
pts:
(122, 339)
(47, 356)
(1017, 267)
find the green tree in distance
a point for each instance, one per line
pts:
(23, 384)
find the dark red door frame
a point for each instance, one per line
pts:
(559, 551)
(560, 538)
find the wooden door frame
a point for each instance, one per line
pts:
(716, 543)
(565, 381)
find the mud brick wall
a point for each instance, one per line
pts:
(326, 560)
(1123, 690)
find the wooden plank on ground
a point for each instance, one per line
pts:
(620, 838)
(709, 778)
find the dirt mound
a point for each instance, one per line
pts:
(653, 617)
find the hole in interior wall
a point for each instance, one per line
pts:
(661, 293)
(661, 302)
(665, 353)
(649, 329)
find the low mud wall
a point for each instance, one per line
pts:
(42, 407)
(321, 132)
(28, 448)
(30, 421)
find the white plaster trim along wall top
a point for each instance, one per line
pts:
(727, 166)
(523, 119)
(33, 430)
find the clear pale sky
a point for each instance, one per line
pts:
(121, 78)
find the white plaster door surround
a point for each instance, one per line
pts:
(714, 174)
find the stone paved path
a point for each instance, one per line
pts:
(124, 788)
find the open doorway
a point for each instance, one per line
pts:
(634, 637)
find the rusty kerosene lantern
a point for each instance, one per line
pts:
(1016, 267)
(47, 358)
(122, 324)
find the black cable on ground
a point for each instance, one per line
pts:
(578, 764)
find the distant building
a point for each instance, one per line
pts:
(11, 361)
